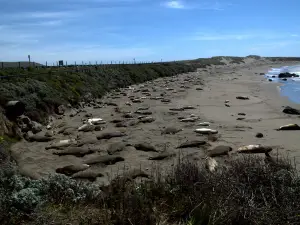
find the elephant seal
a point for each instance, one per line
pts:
(109, 135)
(89, 174)
(254, 149)
(145, 147)
(162, 156)
(171, 130)
(71, 169)
(76, 151)
(289, 127)
(219, 151)
(39, 138)
(116, 147)
(191, 144)
(107, 159)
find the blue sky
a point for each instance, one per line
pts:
(147, 30)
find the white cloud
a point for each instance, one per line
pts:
(175, 4)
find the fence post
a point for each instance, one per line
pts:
(75, 63)
(19, 65)
(46, 64)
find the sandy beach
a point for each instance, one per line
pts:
(205, 90)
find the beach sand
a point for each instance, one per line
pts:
(218, 83)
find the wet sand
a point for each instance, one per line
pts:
(218, 83)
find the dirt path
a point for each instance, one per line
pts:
(204, 101)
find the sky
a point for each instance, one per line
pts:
(146, 30)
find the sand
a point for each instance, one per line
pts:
(219, 83)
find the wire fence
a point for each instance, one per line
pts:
(4, 65)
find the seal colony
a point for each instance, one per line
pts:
(210, 116)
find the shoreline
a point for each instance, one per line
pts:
(263, 114)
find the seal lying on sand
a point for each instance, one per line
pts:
(162, 156)
(219, 151)
(254, 149)
(145, 147)
(191, 144)
(109, 135)
(116, 147)
(171, 130)
(76, 151)
(89, 174)
(106, 159)
(71, 169)
(289, 127)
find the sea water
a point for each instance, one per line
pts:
(289, 88)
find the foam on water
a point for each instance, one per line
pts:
(291, 87)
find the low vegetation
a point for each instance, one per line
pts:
(246, 191)
(44, 89)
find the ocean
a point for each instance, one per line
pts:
(291, 86)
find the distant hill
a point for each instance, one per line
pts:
(18, 64)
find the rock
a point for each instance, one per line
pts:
(71, 169)
(61, 110)
(290, 110)
(107, 159)
(24, 123)
(206, 131)
(192, 144)
(171, 130)
(287, 75)
(116, 147)
(145, 147)
(162, 156)
(289, 127)
(259, 135)
(109, 135)
(254, 149)
(242, 97)
(219, 151)
(89, 174)
(148, 119)
(76, 151)
(36, 127)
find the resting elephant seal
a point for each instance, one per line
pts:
(71, 169)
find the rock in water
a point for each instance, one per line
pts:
(116, 147)
(191, 144)
(145, 147)
(289, 127)
(71, 169)
(109, 135)
(107, 159)
(219, 151)
(290, 110)
(171, 130)
(254, 149)
(162, 156)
